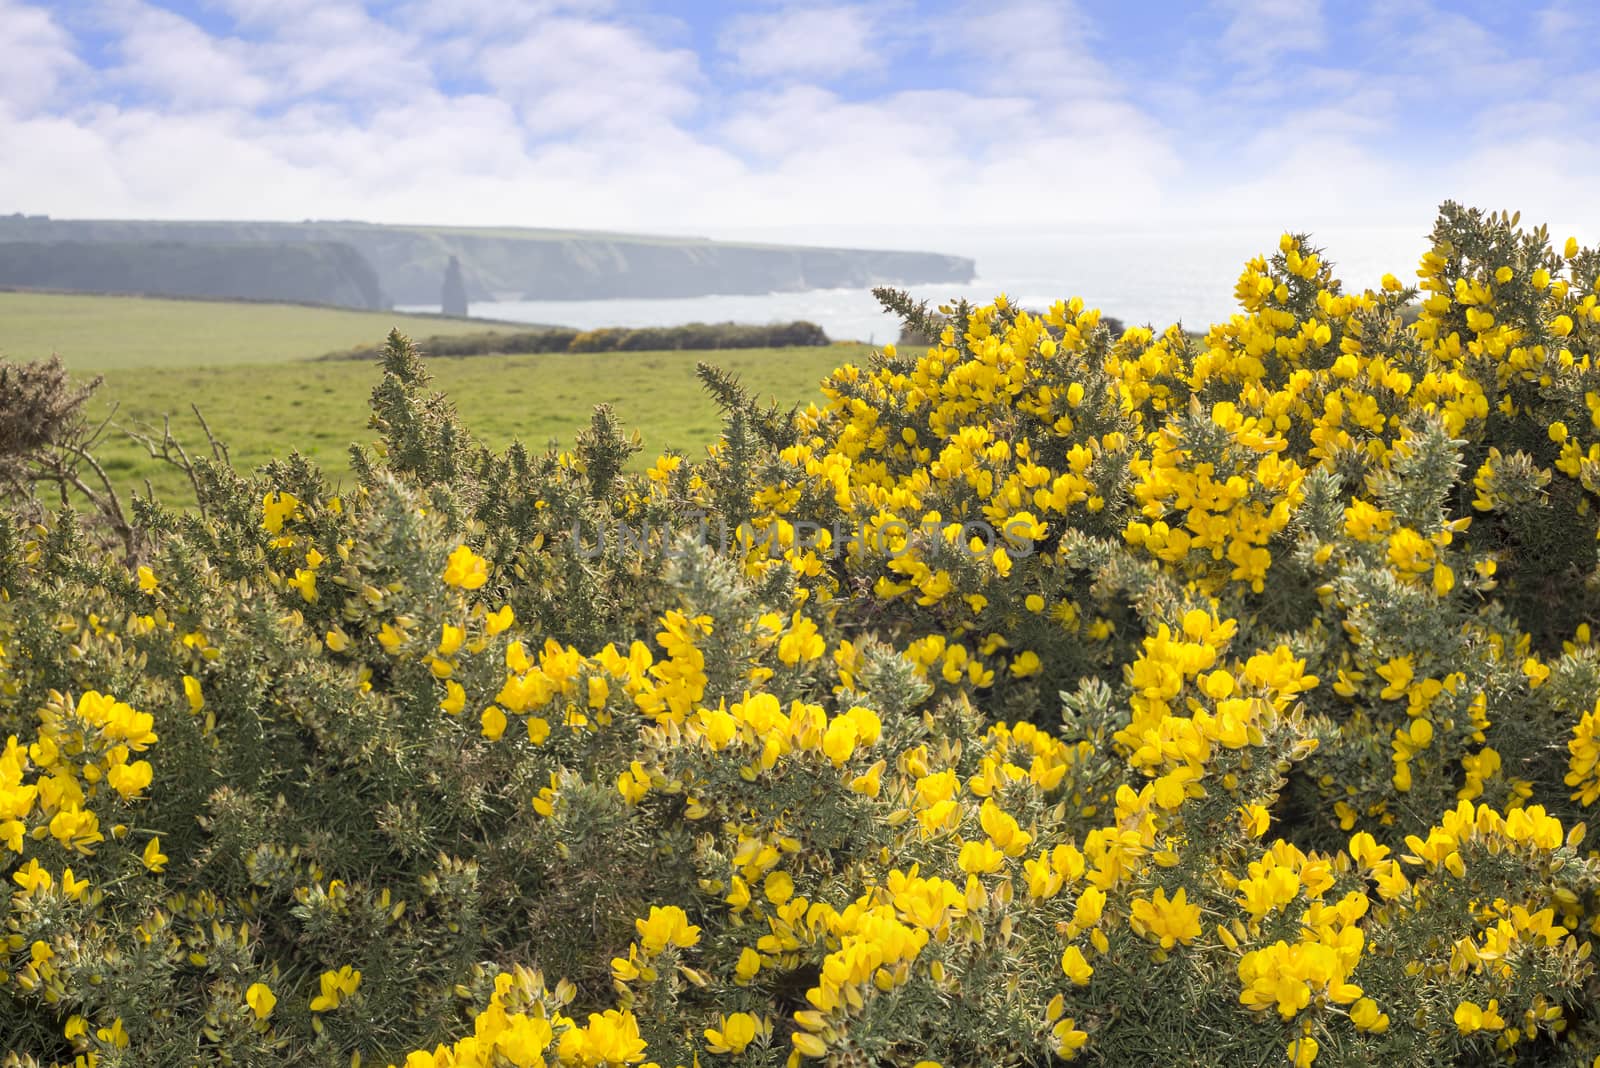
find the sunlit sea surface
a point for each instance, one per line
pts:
(1156, 279)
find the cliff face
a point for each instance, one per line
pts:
(453, 294)
(530, 265)
(314, 272)
(510, 264)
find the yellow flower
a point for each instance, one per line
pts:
(870, 782)
(493, 722)
(275, 508)
(33, 877)
(717, 726)
(666, 926)
(191, 691)
(839, 740)
(153, 858)
(73, 886)
(465, 569)
(809, 1045)
(336, 987)
(1170, 921)
(801, 642)
(1026, 663)
(778, 887)
(260, 999)
(523, 1042)
(129, 779)
(450, 639)
(1444, 580)
(1365, 1015)
(980, 858)
(1089, 908)
(609, 1038)
(305, 582)
(114, 1035)
(1470, 1018)
(1076, 967)
(497, 621)
(1398, 673)
(147, 580)
(1069, 1038)
(634, 784)
(734, 1033)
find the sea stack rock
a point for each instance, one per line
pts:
(454, 299)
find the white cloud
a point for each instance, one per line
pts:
(259, 13)
(1042, 49)
(1304, 179)
(576, 113)
(804, 42)
(287, 49)
(1451, 51)
(65, 167)
(1260, 30)
(370, 60)
(1559, 20)
(172, 57)
(490, 18)
(567, 74)
(1547, 175)
(1567, 30)
(39, 57)
(772, 127)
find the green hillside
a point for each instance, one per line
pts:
(97, 333)
(254, 372)
(263, 410)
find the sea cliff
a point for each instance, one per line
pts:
(409, 262)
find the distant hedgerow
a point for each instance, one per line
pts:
(691, 336)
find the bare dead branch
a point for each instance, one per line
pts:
(219, 449)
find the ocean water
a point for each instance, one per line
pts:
(1149, 278)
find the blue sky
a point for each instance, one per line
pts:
(833, 119)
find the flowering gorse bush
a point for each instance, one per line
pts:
(1057, 696)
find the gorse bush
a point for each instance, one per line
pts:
(1053, 695)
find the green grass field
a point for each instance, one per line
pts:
(262, 411)
(253, 371)
(98, 333)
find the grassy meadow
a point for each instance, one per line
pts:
(254, 373)
(95, 333)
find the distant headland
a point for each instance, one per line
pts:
(369, 265)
